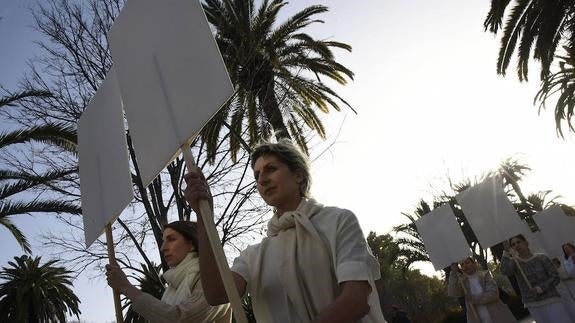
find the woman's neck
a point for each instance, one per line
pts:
(288, 206)
(526, 254)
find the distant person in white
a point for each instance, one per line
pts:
(481, 294)
(313, 266)
(569, 253)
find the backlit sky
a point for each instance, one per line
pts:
(429, 103)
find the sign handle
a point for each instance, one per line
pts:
(521, 271)
(215, 243)
(112, 261)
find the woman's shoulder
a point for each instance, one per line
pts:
(334, 211)
(541, 257)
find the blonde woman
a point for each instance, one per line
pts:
(313, 266)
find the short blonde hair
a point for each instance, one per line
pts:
(288, 154)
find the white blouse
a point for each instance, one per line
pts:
(351, 258)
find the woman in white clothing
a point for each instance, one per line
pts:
(313, 266)
(481, 294)
(183, 300)
(569, 253)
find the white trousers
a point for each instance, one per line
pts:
(550, 313)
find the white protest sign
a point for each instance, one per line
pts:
(490, 213)
(173, 80)
(556, 227)
(171, 75)
(105, 177)
(442, 236)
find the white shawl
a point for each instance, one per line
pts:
(306, 271)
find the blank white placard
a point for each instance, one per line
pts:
(490, 213)
(557, 228)
(442, 236)
(171, 75)
(105, 177)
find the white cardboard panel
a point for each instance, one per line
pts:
(442, 236)
(538, 244)
(105, 177)
(556, 228)
(171, 75)
(490, 213)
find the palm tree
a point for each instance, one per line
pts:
(410, 244)
(14, 182)
(540, 26)
(544, 28)
(510, 170)
(561, 83)
(31, 292)
(277, 70)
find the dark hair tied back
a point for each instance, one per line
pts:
(188, 229)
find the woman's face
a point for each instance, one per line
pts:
(568, 249)
(175, 247)
(277, 184)
(468, 266)
(521, 246)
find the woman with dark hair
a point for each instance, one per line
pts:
(481, 294)
(183, 300)
(569, 253)
(313, 266)
(537, 278)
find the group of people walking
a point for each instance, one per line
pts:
(314, 265)
(538, 279)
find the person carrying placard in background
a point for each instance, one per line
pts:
(563, 288)
(569, 253)
(537, 278)
(481, 294)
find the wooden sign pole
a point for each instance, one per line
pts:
(215, 243)
(112, 261)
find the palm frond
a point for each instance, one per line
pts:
(12, 100)
(57, 134)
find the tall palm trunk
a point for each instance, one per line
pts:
(270, 107)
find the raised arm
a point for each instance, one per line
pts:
(197, 189)
(453, 286)
(193, 309)
(507, 264)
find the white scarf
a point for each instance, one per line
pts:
(306, 271)
(180, 279)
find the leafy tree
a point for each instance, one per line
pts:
(423, 298)
(545, 29)
(511, 172)
(31, 292)
(277, 70)
(15, 182)
(538, 26)
(74, 61)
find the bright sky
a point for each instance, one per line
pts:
(430, 105)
